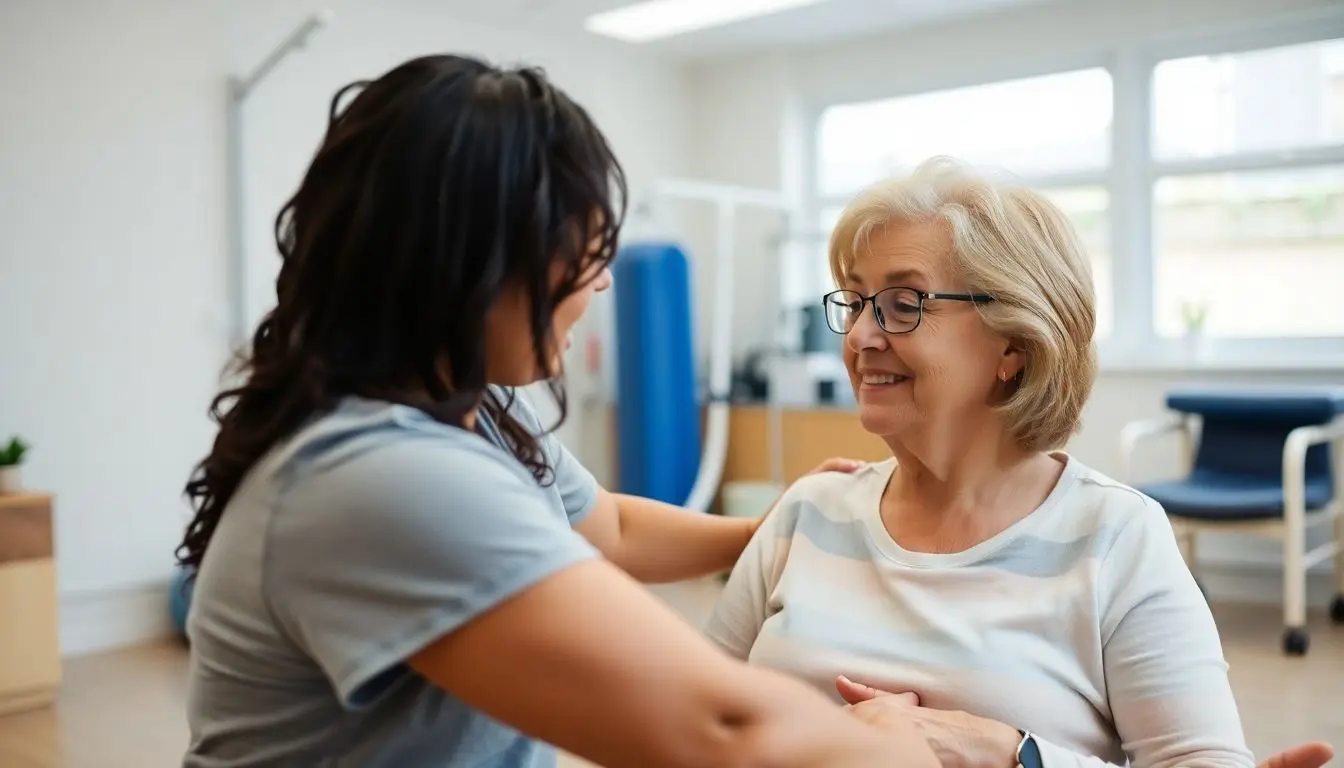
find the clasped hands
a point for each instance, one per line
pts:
(963, 740)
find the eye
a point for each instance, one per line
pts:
(900, 303)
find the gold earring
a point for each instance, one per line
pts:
(1003, 375)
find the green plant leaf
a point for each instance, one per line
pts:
(12, 453)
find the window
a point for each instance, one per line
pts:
(1251, 253)
(1053, 131)
(1274, 100)
(1040, 126)
(1208, 190)
(1089, 210)
(1241, 247)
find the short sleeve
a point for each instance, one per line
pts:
(1166, 676)
(745, 603)
(575, 484)
(372, 559)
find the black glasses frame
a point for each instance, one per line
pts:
(976, 298)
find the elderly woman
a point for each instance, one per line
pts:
(1027, 608)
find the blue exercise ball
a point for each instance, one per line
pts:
(179, 598)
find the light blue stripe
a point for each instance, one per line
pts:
(1025, 555)
(848, 539)
(1029, 555)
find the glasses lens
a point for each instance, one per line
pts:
(842, 309)
(897, 309)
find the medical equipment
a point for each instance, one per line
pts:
(639, 445)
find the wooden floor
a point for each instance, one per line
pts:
(125, 708)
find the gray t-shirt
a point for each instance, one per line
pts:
(367, 535)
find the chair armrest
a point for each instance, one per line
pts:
(1137, 432)
(1317, 433)
(1295, 457)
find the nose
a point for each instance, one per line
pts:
(866, 334)
(603, 281)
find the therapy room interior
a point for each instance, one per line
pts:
(1194, 148)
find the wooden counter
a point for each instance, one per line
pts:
(810, 436)
(30, 649)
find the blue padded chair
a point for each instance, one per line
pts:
(1266, 462)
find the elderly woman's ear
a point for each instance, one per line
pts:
(1013, 363)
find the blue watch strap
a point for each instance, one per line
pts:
(1028, 752)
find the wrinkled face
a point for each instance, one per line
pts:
(944, 372)
(509, 345)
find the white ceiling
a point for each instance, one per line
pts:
(824, 22)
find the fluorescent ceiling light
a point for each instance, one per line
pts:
(654, 19)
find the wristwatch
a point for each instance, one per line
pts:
(1028, 753)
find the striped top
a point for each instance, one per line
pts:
(1080, 623)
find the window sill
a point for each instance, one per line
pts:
(1288, 356)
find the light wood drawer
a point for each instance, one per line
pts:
(30, 646)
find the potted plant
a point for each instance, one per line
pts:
(11, 463)
(1194, 314)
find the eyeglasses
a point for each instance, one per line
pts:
(897, 310)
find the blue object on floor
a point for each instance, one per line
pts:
(657, 410)
(179, 598)
(1238, 467)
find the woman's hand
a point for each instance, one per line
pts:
(837, 464)
(959, 739)
(880, 707)
(1313, 754)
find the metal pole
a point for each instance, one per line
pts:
(235, 199)
(237, 230)
(720, 366)
(690, 189)
(295, 41)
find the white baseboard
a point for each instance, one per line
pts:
(104, 620)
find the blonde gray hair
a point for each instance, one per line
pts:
(1014, 244)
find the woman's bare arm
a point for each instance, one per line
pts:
(587, 660)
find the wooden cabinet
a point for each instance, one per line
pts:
(30, 649)
(810, 436)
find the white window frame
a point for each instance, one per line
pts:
(1133, 343)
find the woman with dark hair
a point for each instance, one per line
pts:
(395, 566)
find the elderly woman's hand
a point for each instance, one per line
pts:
(959, 739)
(955, 735)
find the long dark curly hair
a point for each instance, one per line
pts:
(440, 185)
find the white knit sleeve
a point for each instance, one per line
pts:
(1166, 678)
(745, 603)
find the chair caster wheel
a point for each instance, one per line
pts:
(1337, 609)
(1296, 642)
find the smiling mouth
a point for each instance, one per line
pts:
(883, 379)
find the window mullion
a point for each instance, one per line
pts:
(1303, 157)
(1131, 203)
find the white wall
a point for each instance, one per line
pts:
(113, 280)
(111, 262)
(752, 119)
